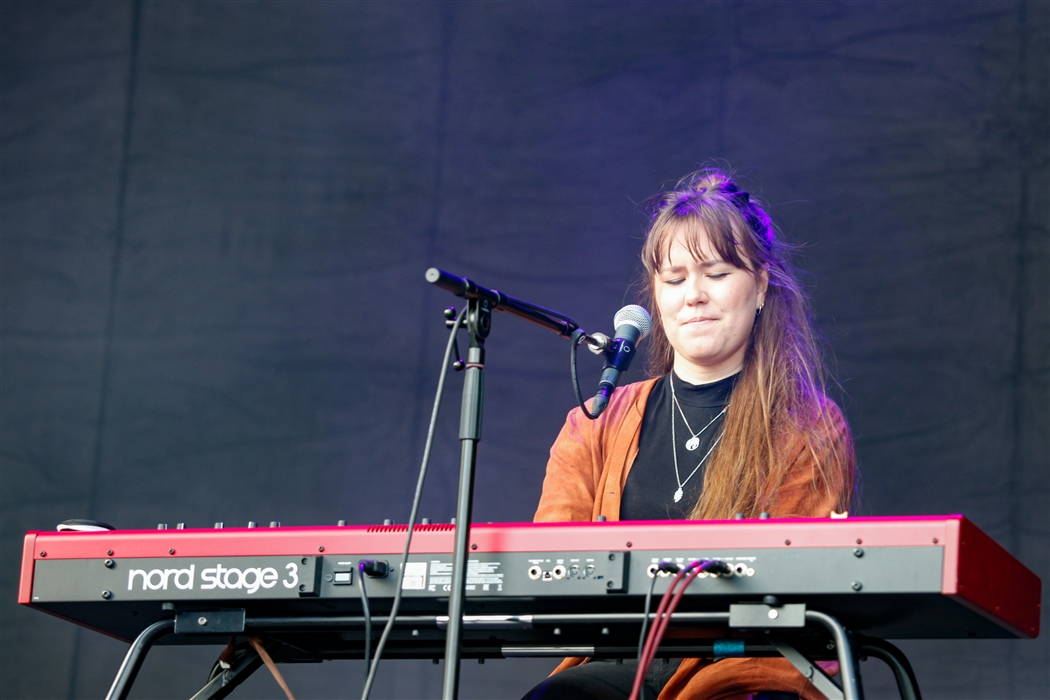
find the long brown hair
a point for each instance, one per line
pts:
(779, 399)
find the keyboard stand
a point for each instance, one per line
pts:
(779, 631)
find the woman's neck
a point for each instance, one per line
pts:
(688, 372)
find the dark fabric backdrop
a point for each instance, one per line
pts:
(216, 218)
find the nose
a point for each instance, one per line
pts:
(695, 292)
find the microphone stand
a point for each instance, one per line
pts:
(481, 302)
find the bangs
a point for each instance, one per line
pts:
(695, 229)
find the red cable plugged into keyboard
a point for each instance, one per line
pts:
(668, 604)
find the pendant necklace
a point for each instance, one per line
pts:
(694, 442)
(674, 443)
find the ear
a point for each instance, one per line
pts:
(763, 284)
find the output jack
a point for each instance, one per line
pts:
(535, 572)
(559, 571)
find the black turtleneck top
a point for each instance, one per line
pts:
(651, 484)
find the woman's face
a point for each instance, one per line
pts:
(707, 308)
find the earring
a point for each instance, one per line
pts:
(758, 311)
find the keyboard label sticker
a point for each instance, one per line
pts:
(481, 576)
(415, 576)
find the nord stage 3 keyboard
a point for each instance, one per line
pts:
(904, 577)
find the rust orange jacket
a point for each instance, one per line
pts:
(588, 468)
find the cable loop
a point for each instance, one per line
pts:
(578, 337)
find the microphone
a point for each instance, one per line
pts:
(632, 323)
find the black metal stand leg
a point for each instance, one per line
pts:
(450, 689)
(847, 662)
(135, 656)
(898, 663)
(811, 671)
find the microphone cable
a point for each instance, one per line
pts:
(456, 325)
(578, 337)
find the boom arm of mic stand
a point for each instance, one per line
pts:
(462, 287)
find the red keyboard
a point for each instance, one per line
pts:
(899, 577)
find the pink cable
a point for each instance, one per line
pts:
(669, 600)
(639, 674)
(667, 617)
(666, 621)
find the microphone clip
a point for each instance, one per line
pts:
(598, 343)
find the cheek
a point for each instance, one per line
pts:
(741, 298)
(667, 302)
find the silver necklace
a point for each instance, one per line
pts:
(674, 445)
(694, 442)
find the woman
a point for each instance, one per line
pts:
(735, 420)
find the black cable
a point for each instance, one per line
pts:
(645, 620)
(577, 337)
(645, 623)
(368, 618)
(415, 505)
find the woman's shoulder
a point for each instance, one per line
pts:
(628, 397)
(626, 403)
(815, 426)
(635, 391)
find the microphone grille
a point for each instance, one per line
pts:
(636, 316)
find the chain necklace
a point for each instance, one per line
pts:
(674, 442)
